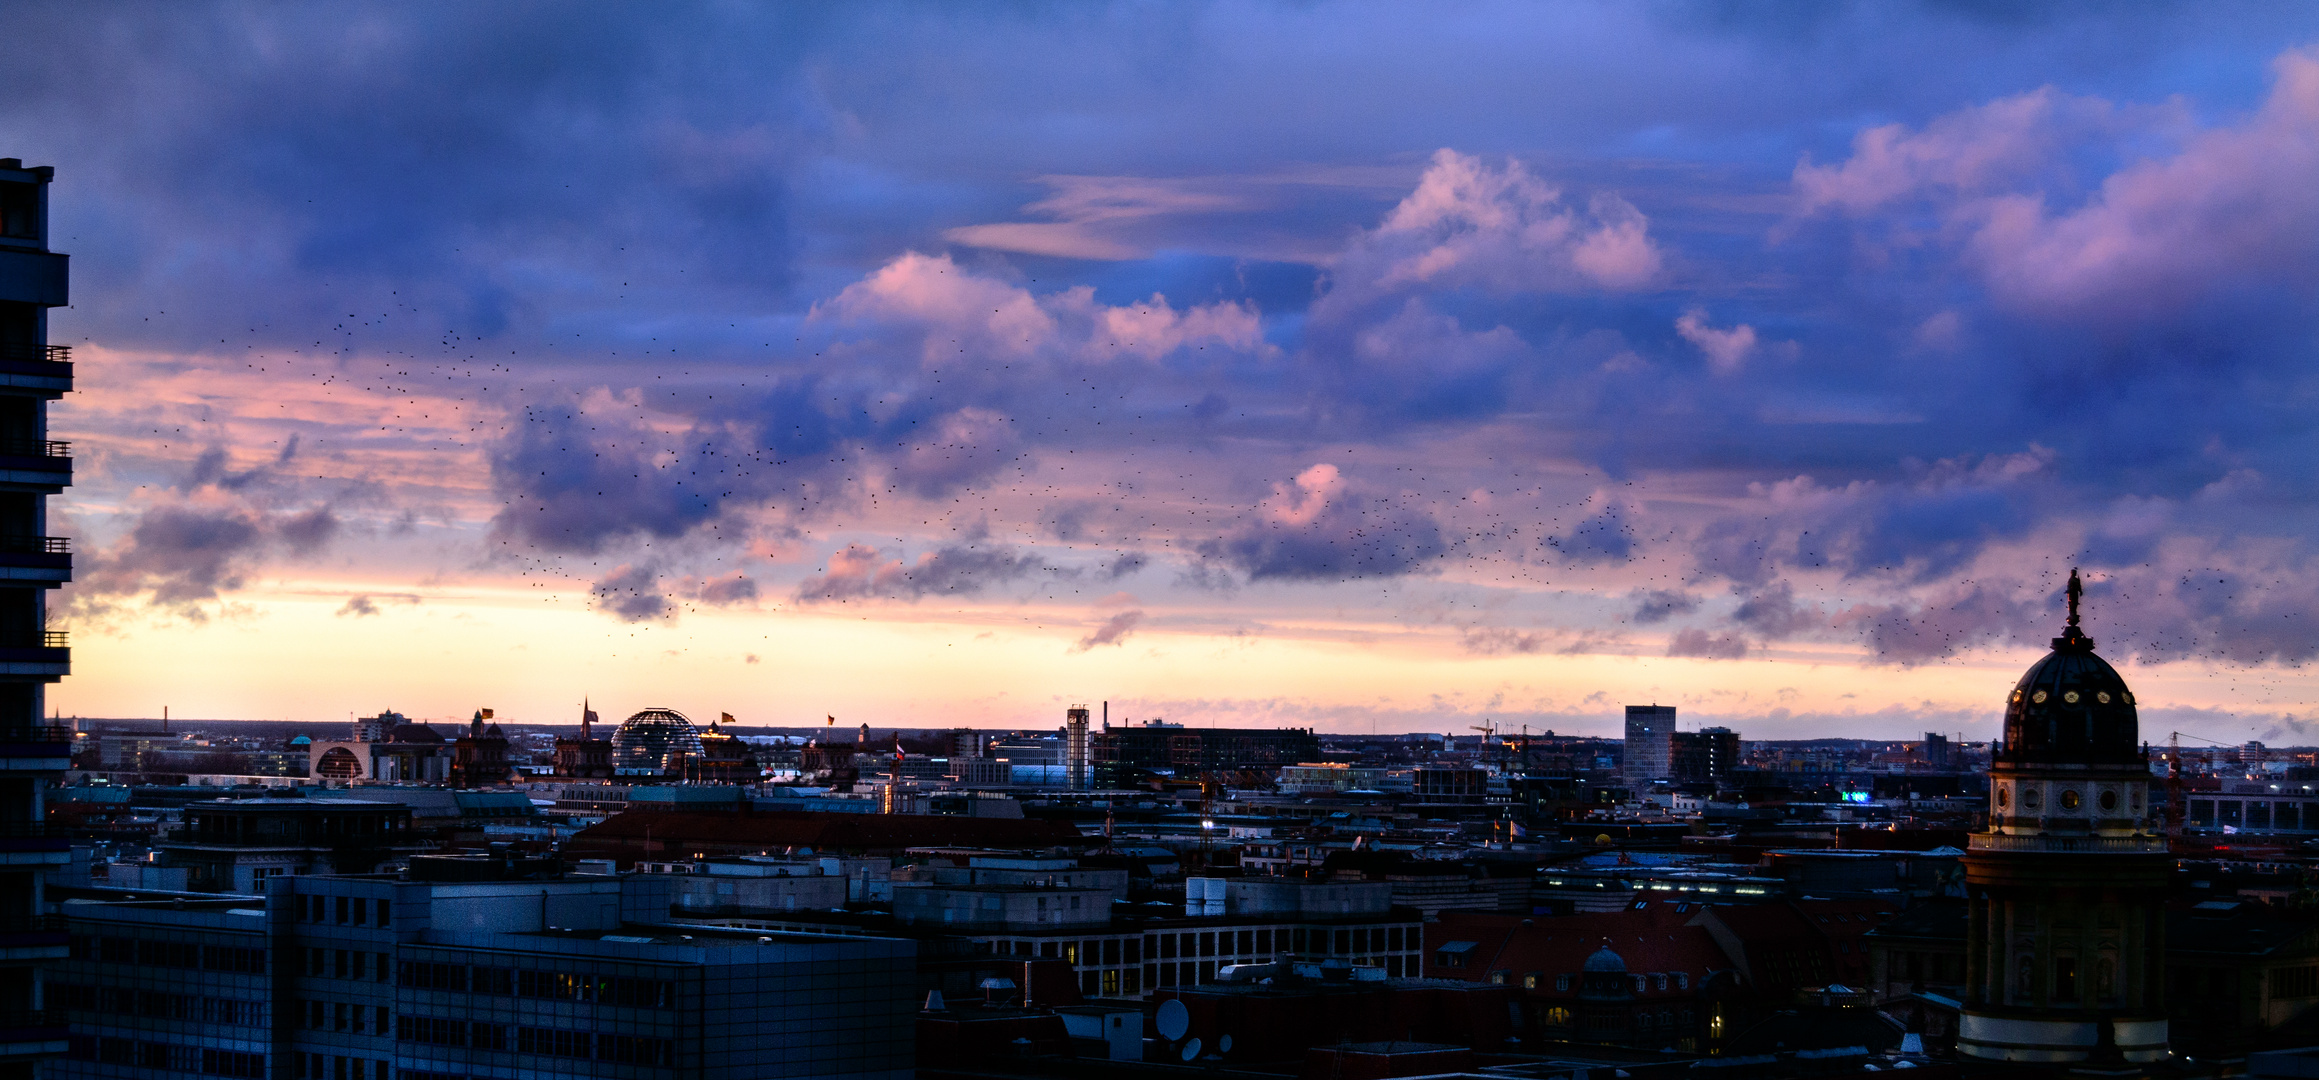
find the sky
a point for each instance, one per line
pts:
(1367, 367)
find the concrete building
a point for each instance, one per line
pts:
(492, 970)
(33, 467)
(1650, 744)
(1122, 754)
(1703, 755)
(237, 845)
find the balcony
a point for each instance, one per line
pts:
(47, 368)
(42, 560)
(33, 938)
(28, 1034)
(31, 843)
(44, 653)
(39, 463)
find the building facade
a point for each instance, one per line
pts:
(376, 978)
(1650, 743)
(2065, 945)
(33, 754)
(1123, 754)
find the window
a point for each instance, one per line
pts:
(2296, 982)
(1453, 954)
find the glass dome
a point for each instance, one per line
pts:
(645, 740)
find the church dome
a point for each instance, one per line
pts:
(1605, 962)
(2071, 707)
(645, 740)
(415, 733)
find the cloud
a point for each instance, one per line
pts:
(1726, 350)
(725, 592)
(1930, 526)
(1097, 216)
(860, 572)
(1114, 631)
(1775, 613)
(2228, 211)
(1602, 536)
(357, 607)
(1502, 229)
(631, 593)
(187, 554)
(1694, 642)
(1660, 605)
(1953, 620)
(1318, 529)
(1501, 641)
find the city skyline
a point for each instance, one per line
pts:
(945, 372)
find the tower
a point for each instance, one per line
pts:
(33, 755)
(2065, 944)
(1650, 744)
(1075, 721)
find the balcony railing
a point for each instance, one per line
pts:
(21, 1025)
(33, 830)
(35, 545)
(39, 448)
(2048, 842)
(35, 733)
(38, 354)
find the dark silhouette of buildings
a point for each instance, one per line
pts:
(587, 757)
(1124, 755)
(480, 758)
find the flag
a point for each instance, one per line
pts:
(728, 718)
(486, 714)
(833, 721)
(1515, 828)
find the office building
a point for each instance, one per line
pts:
(1122, 755)
(1650, 743)
(32, 467)
(472, 967)
(1704, 755)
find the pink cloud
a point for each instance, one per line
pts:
(1504, 229)
(2232, 207)
(1726, 350)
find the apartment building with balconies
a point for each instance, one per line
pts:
(33, 754)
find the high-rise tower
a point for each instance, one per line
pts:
(1075, 720)
(2065, 950)
(32, 754)
(1650, 744)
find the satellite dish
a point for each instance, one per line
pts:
(1224, 1044)
(1173, 1020)
(1191, 1049)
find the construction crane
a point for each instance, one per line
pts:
(1489, 730)
(2175, 805)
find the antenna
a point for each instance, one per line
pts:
(1191, 1050)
